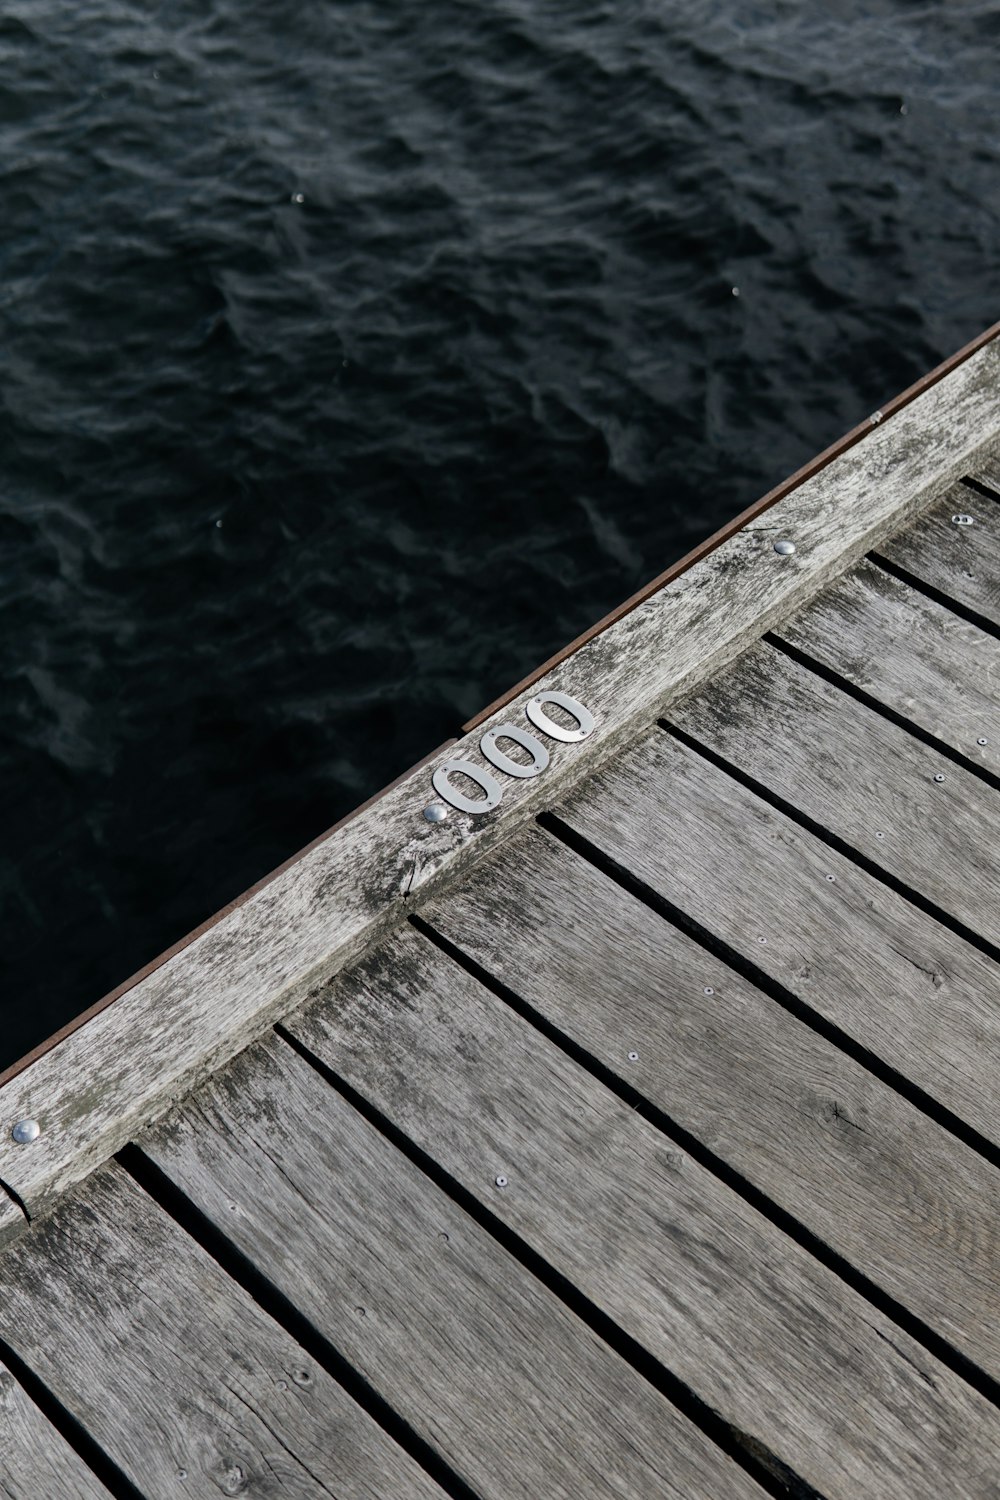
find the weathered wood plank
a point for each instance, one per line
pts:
(911, 654)
(12, 1220)
(769, 1338)
(986, 469)
(892, 1192)
(179, 1377)
(962, 562)
(201, 1007)
(36, 1462)
(861, 777)
(421, 1300)
(868, 961)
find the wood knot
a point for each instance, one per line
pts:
(231, 1478)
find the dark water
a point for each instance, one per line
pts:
(355, 356)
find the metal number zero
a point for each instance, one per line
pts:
(501, 761)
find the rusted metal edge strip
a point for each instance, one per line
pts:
(190, 1013)
(731, 527)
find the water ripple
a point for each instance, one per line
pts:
(352, 358)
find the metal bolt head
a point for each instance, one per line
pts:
(633, 1057)
(982, 740)
(709, 990)
(963, 520)
(26, 1131)
(435, 812)
(831, 877)
(784, 548)
(938, 776)
(501, 1180)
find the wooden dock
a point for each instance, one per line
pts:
(637, 1137)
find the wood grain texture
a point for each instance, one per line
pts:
(865, 959)
(182, 1380)
(421, 1300)
(769, 1338)
(910, 653)
(864, 779)
(986, 470)
(871, 1176)
(12, 1219)
(98, 1086)
(36, 1462)
(962, 562)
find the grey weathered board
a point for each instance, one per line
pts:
(863, 778)
(911, 654)
(465, 1325)
(780, 1347)
(182, 1380)
(11, 1217)
(482, 1361)
(961, 562)
(198, 1009)
(36, 1462)
(872, 1177)
(862, 957)
(986, 470)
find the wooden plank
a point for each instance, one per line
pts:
(866, 1172)
(178, 1376)
(910, 653)
(961, 562)
(36, 1462)
(985, 469)
(12, 1219)
(195, 1012)
(780, 1347)
(479, 1358)
(857, 775)
(865, 959)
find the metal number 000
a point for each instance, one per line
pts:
(490, 746)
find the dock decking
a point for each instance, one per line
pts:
(638, 1137)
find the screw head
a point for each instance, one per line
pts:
(709, 990)
(26, 1131)
(831, 877)
(784, 548)
(762, 940)
(501, 1180)
(880, 835)
(633, 1057)
(982, 740)
(435, 812)
(963, 520)
(938, 776)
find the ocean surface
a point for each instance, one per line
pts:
(355, 356)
